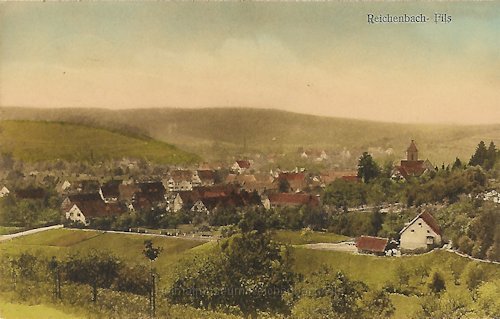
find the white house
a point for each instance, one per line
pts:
(422, 233)
(199, 207)
(85, 210)
(182, 180)
(76, 215)
(175, 203)
(4, 192)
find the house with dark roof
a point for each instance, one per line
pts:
(30, 193)
(241, 166)
(84, 212)
(372, 245)
(206, 176)
(110, 191)
(421, 233)
(290, 199)
(85, 207)
(296, 180)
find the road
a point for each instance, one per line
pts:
(348, 247)
(29, 232)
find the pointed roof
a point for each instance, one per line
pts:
(412, 147)
(428, 219)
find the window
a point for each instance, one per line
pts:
(420, 224)
(413, 230)
(428, 232)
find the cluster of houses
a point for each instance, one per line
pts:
(191, 190)
(204, 190)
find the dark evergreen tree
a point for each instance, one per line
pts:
(480, 155)
(458, 164)
(491, 156)
(367, 167)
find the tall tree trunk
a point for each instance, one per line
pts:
(94, 292)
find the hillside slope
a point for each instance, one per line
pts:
(39, 141)
(237, 129)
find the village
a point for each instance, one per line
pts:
(197, 193)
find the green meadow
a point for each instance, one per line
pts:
(376, 272)
(34, 141)
(292, 237)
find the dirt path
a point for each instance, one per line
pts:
(29, 232)
(347, 247)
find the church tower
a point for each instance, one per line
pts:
(412, 152)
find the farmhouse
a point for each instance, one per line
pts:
(372, 245)
(422, 233)
(84, 212)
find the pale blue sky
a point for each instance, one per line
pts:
(318, 58)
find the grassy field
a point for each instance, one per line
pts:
(301, 238)
(6, 230)
(43, 141)
(61, 242)
(212, 131)
(10, 310)
(374, 271)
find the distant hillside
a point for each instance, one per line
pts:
(40, 141)
(205, 131)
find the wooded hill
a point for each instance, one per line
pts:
(212, 131)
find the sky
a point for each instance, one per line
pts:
(320, 58)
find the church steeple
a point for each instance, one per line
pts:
(412, 152)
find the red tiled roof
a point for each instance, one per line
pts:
(127, 192)
(372, 244)
(181, 175)
(206, 174)
(411, 168)
(243, 163)
(429, 220)
(292, 176)
(98, 208)
(241, 179)
(293, 199)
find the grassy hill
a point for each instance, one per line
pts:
(210, 130)
(374, 271)
(39, 141)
